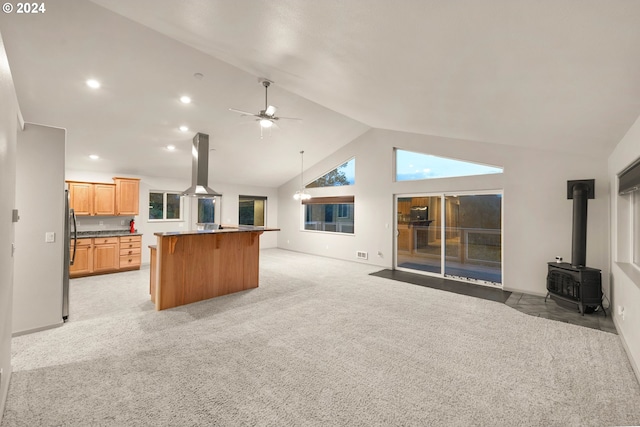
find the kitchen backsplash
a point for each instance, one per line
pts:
(102, 223)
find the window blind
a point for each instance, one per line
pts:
(629, 179)
(328, 200)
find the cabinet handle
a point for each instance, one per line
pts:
(130, 252)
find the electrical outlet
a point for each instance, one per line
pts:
(122, 222)
(49, 237)
(621, 312)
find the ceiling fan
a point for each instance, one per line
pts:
(267, 117)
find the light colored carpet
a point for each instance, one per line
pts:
(319, 343)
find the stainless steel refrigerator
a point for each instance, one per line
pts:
(70, 244)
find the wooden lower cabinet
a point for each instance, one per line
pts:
(105, 254)
(83, 260)
(101, 255)
(130, 252)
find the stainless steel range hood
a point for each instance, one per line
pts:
(200, 172)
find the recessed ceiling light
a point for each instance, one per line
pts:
(185, 99)
(171, 147)
(94, 84)
(94, 156)
(184, 128)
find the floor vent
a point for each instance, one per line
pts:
(362, 255)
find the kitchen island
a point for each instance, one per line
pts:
(190, 266)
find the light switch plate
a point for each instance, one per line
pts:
(50, 237)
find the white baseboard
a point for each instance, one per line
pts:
(42, 328)
(634, 363)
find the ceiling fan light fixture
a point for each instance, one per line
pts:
(267, 117)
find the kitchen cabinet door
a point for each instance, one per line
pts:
(127, 196)
(106, 254)
(81, 197)
(104, 199)
(83, 263)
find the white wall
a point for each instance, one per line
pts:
(625, 278)
(8, 131)
(537, 214)
(229, 207)
(37, 292)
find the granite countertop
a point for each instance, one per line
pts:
(224, 229)
(106, 233)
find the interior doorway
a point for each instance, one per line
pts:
(457, 236)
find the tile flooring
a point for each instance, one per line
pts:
(536, 306)
(530, 304)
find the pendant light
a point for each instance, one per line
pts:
(301, 194)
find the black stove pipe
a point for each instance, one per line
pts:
(579, 237)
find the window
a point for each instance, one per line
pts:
(165, 206)
(332, 214)
(206, 209)
(252, 210)
(342, 175)
(412, 166)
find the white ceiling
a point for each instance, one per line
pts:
(553, 74)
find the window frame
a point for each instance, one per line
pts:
(164, 206)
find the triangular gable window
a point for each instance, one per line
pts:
(345, 174)
(412, 166)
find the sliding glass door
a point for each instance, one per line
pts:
(418, 234)
(466, 228)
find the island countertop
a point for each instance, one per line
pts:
(224, 229)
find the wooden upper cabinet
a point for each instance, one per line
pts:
(81, 197)
(127, 196)
(104, 198)
(92, 198)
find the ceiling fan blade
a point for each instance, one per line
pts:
(244, 113)
(288, 118)
(271, 110)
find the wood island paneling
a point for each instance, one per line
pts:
(198, 265)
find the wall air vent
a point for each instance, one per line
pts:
(362, 255)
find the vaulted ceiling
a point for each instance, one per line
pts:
(552, 74)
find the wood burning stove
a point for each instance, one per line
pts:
(574, 282)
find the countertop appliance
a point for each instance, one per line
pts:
(70, 245)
